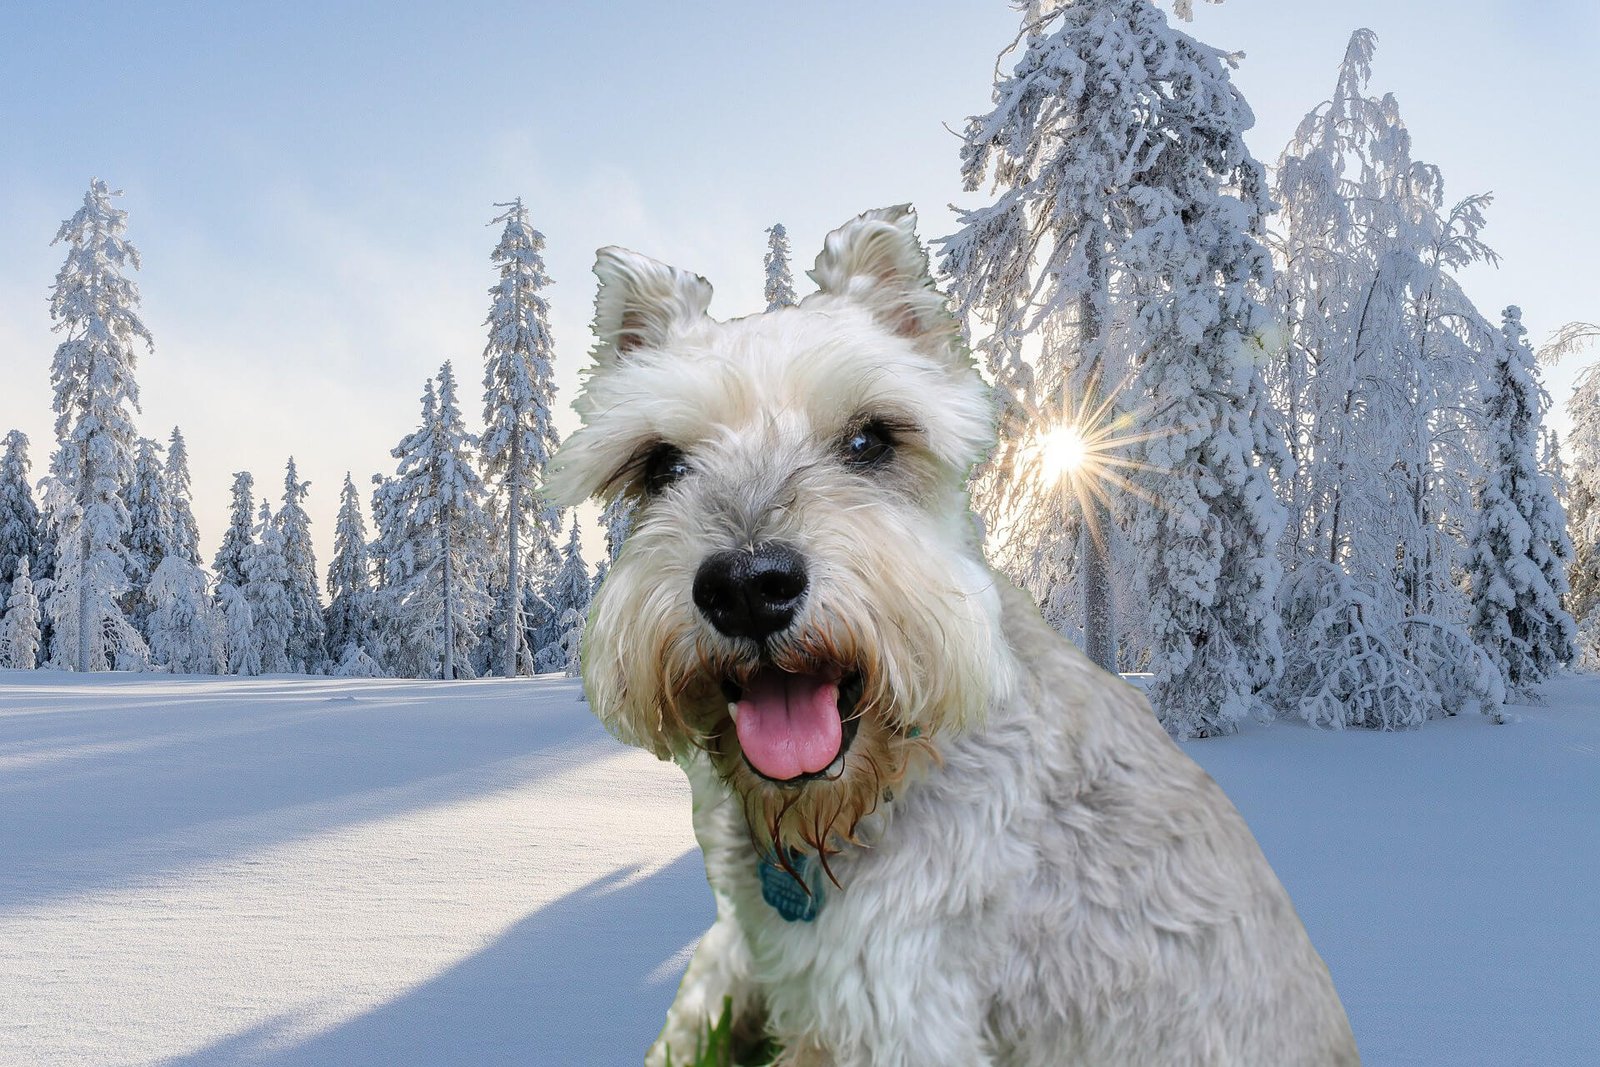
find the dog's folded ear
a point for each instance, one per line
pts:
(642, 302)
(875, 258)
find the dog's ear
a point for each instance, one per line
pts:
(875, 258)
(643, 302)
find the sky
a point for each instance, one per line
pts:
(310, 185)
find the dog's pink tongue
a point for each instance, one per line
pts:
(788, 724)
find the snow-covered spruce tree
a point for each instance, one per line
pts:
(149, 511)
(1515, 566)
(519, 435)
(307, 635)
(437, 542)
(357, 664)
(1125, 237)
(572, 624)
(488, 655)
(186, 630)
(234, 551)
(95, 398)
(616, 519)
(390, 566)
(1208, 524)
(150, 531)
(349, 618)
(20, 623)
(21, 526)
(1563, 552)
(539, 620)
(241, 646)
(779, 289)
(180, 498)
(271, 610)
(25, 530)
(1583, 486)
(568, 595)
(1377, 381)
(1551, 462)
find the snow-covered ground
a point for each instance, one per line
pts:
(319, 871)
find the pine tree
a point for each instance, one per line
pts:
(234, 551)
(389, 566)
(20, 624)
(150, 531)
(95, 398)
(1515, 566)
(1114, 243)
(779, 289)
(357, 664)
(267, 590)
(571, 644)
(186, 631)
(241, 645)
(180, 496)
(568, 597)
(307, 634)
(617, 520)
(349, 618)
(518, 391)
(21, 526)
(1583, 486)
(435, 542)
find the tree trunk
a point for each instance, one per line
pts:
(85, 492)
(1099, 605)
(84, 643)
(513, 585)
(1094, 529)
(449, 605)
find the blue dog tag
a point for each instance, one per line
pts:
(786, 896)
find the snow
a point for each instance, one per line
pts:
(290, 870)
(1446, 874)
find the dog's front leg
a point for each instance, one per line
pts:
(718, 972)
(915, 1002)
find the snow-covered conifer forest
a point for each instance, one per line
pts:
(1308, 476)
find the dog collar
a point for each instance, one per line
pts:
(788, 897)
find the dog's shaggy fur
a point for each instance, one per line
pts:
(1021, 868)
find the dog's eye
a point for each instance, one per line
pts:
(871, 445)
(662, 467)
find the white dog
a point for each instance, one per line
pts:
(937, 835)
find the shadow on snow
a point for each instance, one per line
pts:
(585, 979)
(128, 780)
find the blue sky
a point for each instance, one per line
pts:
(309, 184)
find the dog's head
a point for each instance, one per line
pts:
(802, 594)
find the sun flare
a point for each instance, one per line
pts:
(1063, 451)
(1087, 450)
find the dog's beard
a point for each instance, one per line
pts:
(818, 804)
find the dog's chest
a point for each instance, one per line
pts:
(808, 949)
(892, 914)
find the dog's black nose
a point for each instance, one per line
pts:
(751, 594)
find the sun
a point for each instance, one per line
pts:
(1088, 449)
(1063, 451)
